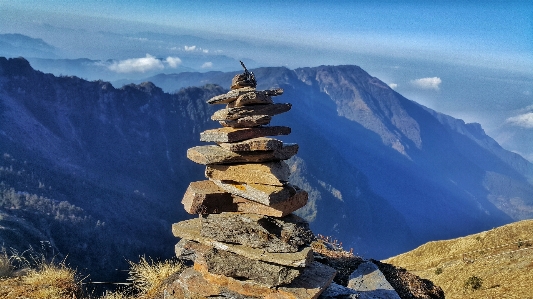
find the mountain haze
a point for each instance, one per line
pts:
(384, 173)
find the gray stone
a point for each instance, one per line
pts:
(204, 197)
(238, 134)
(255, 144)
(247, 121)
(214, 154)
(233, 265)
(252, 98)
(335, 291)
(268, 173)
(230, 96)
(370, 283)
(244, 111)
(264, 194)
(280, 209)
(272, 234)
(190, 230)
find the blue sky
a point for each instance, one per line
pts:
(470, 59)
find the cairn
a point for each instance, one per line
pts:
(246, 242)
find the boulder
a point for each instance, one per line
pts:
(204, 197)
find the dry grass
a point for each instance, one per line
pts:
(501, 258)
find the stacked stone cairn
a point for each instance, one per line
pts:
(246, 243)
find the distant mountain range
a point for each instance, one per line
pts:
(106, 167)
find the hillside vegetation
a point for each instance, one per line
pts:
(493, 264)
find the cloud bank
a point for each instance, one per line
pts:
(427, 83)
(144, 64)
(523, 120)
(207, 65)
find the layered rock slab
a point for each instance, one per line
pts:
(248, 111)
(269, 173)
(254, 144)
(264, 194)
(369, 282)
(214, 154)
(228, 134)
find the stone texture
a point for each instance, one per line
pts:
(254, 144)
(204, 197)
(234, 134)
(244, 111)
(264, 194)
(369, 282)
(190, 229)
(272, 234)
(230, 96)
(233, 265)
(269, 173)
(247, 121)
(335, 291)
(252, 98)
(214, 154)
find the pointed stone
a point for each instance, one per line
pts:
(269, 173)
(252, 98)
(190, 230)
(255, 144)
(214, 154)
(247, 121)
(272, 234)
(233, 135)
(204, 197)
(230, 96)
(264, 194)
(240, 112)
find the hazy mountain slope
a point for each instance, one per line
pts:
(22, 45)
(500, 257)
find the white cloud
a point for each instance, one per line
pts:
(137, 65)
(427, 83)
(523, 120)
(205, 51)
(393, 85)
(190, 48)
(207, 65)
(173, 62)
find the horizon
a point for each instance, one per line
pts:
(473, 61)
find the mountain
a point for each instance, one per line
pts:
(499, 259)
(14, 44)
(99, 172)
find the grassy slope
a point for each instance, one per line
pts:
(501, 257)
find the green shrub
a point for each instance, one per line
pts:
(473, 283)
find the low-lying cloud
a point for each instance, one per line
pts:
(207, 65)
(427, 83)
(143, 65)
(523, 120)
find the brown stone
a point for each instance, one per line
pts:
(244, 111)
(264, 194)
(252, 98)
(230, 96)
(268, 173)
(204, 197)
(214, 154)
(247, 121)
(255, 144)
(233, 265)
(272, 234)
(190, 230)
(233, 135)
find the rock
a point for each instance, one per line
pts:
(214, 154)
(285, 234)
(252, 98)
(244, 111)
(335, 291)
(247, 121)
(254, 144)
(233, 265)
(245, 79)
(280, 209)
(233, 134)
(190, 285)
(268, 173)
(264, 194)
(230, 96)
(369, 282)
(190, 229)
(204, 197)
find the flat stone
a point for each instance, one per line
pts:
(239, 134)
(204, 197)
(244, 111)
(233, 265)
(252, 98)
(309, 285)
(264, 194)
(190, 230)
(272, 234)
(190, 284)
(214, 154)
(369, 282)
(254, 144)
(247, 121)
(268, 173)
(335, 291)
(230, 96)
